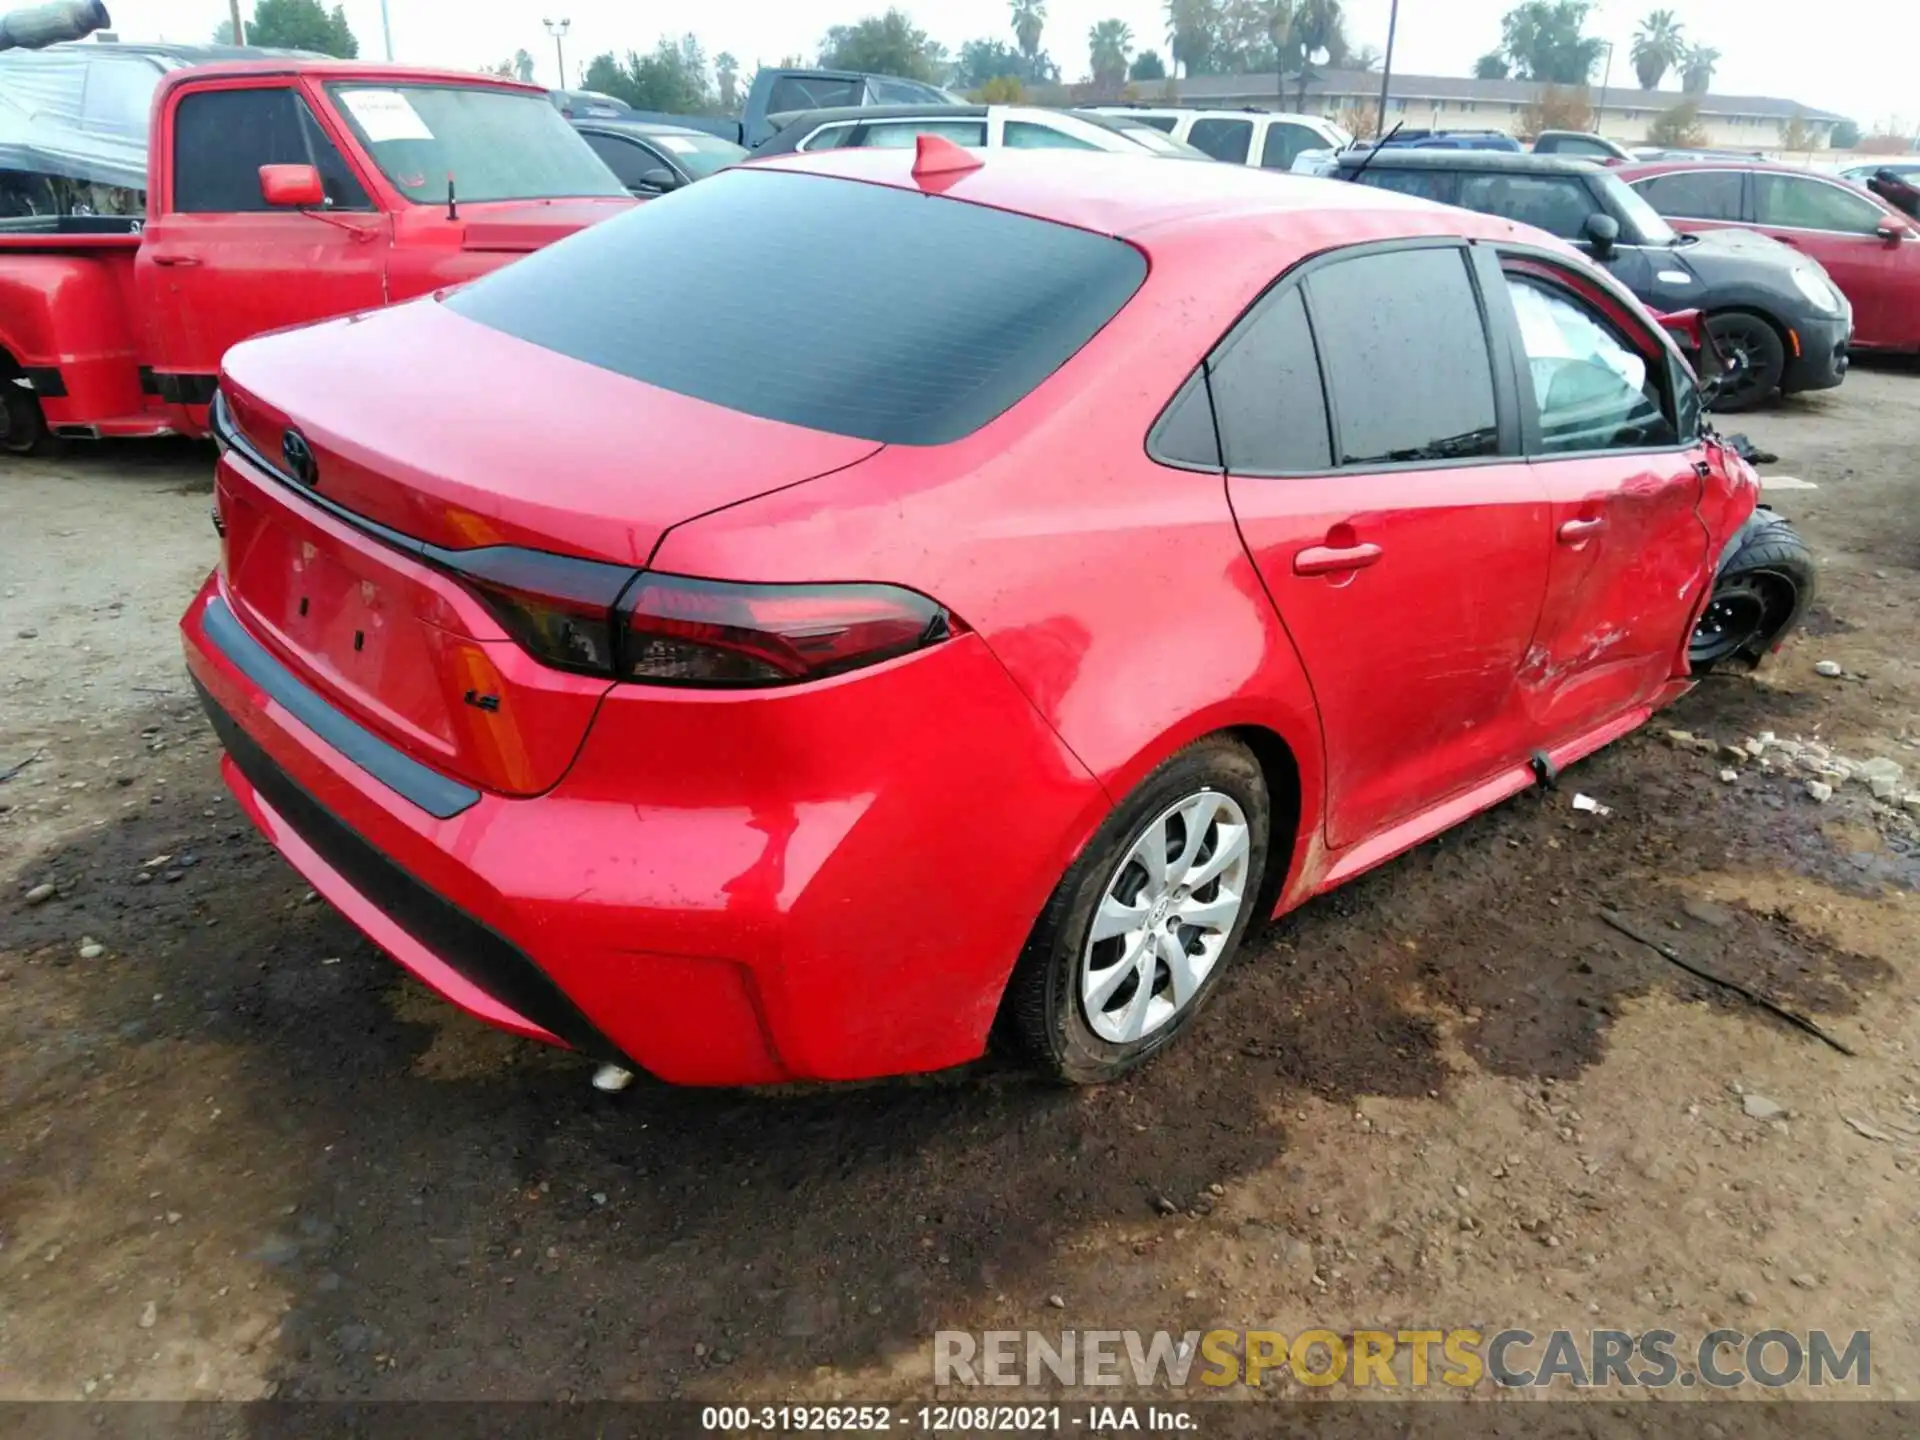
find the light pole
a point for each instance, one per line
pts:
(1386, 69)
(1606, 78)
(239, 25)
(386, 30)
(558, 29)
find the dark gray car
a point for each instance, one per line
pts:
(652, 159)
(1783, 324)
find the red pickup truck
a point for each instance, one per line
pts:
(277, 191)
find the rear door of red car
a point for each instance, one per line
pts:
(1372, 450)
(1609, 419)
(1839, 226)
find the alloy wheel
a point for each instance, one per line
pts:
(1165, 917)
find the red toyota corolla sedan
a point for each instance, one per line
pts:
(860, 599)
(1870, 249)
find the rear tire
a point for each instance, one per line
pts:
(1089, 1005)
(1762, 590)
(1750, 342)
(23, 429)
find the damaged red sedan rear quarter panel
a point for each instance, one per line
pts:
(835, 880)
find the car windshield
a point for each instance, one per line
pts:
(1641, 216)
(700, 155)
(489, 144)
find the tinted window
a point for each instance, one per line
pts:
(1226, 140)
(918, 319)
(1406, 357)
(1159, 122)
(1793, 203)
(221, 138)
(1572, 145)
(793, 92)
(1025, 135)
(626, 158)
(904, 134)
(1266, 392)
(1427, 184)
(830, 137)
(1185, 434)
(1556, 204)
(1695, 195)
(888, 91)
(699, 155)
(1594, 390)
(1284, 144)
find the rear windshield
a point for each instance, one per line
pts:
(859, 309)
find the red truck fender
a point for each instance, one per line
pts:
(66, 324)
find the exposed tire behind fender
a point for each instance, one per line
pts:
(23, 429)
(1763, 588)
(1757, 353)
(1139, 931)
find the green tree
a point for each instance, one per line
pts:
(1677, 128)
(1492, 66)
(1029, 21)
(1367, 57)
(726, 70)
(889, 44)
(223, 33)
(1546, 40)
(1003, 90)
(1846, 135)
(987, 59)
(523, 67)
(672, 78)
(1147, 65)
(1796, 135)
(1658, 45)
(1193, 33)
(1110, 47)
(1319, 29)
(1696, 75)
(302, 25)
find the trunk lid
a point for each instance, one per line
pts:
(488, 441)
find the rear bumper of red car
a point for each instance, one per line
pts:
(829, 883)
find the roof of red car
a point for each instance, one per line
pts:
(342, 70)
(1128, 195)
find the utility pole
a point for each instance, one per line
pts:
(386, 30)
(558, 29)
(1605, 80)
(239, 25)
(1386, 69)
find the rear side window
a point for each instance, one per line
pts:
(1794, 203)
(1226, 140)
(1559, 205)
(1025, 135)
(905, 134)
(221, 138)
(1700, 195)
(796, 92)
(1159, 122)
(1284, 144)
(1405, 355)
(1266, 393)
(1427, 184)
(918, 319)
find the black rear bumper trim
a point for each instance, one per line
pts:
(476, 951)
(429, 789)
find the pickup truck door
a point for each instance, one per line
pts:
(218, 264)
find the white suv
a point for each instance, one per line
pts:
(1265, 139)
(1017, 127)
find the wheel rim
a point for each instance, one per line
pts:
(1737, 342)
(1164, 918)
(1732, 618)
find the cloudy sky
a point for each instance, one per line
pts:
(1857, 58)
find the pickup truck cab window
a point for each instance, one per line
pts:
(221, 139)
(800, 92)
(494, 144)
(1221, 138)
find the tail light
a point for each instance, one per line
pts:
(597, 619)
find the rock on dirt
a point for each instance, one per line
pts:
(1759, 1107)
(40, 894)
(1820, 791)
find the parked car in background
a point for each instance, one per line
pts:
(1493, 140)
(1897, 183)
(1269, 140)
(1871, 250)
(589, 105)
(276, 190)
(652, 159)
(1581, 145)
(776, 92)
(1074, 607)
(991, 127)
(1782, 322)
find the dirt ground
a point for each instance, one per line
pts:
(242, 1155)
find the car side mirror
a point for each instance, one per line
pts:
(1891, 233)
(1603, 233)
(292, 187)
(656, 182)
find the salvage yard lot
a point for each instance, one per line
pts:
(241, 1154)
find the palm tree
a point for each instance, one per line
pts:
(1111, 44)
(1190, 32)
(1697, 69)
(1319, 26)
(523, 66)
(1029, 19)
(726, 70)
(1658, 46)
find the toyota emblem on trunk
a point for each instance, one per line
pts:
(298, 454)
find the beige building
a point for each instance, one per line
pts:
(1442, 102)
